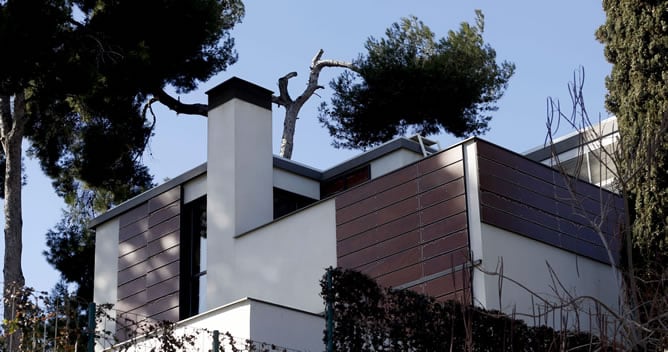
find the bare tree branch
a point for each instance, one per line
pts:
(284, 98)
(292, 107)
(176, 105)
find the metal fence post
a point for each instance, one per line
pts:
(91, 327)
(215, 346)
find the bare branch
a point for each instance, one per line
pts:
(148, 108)
(642, 314)
(284, 96)
(562, 302)
(180, 108)
(317, 58)
(334, 63)
(316, 66)
(292, 107)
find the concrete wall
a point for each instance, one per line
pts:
(304, 332)
(523, 220)
(239, 178)
(296, 184)
(247, 318)
(106, 273)
(194, 189)
(284, 261)
(528, 262)
(393, 161)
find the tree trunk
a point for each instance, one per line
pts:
(292, 107)
(11, 135)
(289, 124)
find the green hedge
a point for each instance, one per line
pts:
(367, 317)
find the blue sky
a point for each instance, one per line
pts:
(546, 40)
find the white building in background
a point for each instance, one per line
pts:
(586, 155)
(240, 243)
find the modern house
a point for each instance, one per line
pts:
(584, 154)
(240, 243)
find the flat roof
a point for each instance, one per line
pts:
(571, 140)
(278, 162)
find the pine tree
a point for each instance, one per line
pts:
(75, 78)
(408, 81)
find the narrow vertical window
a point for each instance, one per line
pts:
(193, 258)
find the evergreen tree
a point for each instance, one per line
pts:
(75, 76)
(635, 35)
(409, 81)
(636, 43)
(405, 81)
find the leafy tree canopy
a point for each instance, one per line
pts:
(76, 80)
(87, 67)
(409, 81)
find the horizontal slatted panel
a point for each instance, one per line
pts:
(148, 276)
(408, 224)
(533, 200)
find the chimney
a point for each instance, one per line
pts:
(239, 179)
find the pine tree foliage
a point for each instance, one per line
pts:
(636, 43)
(88, 77)
(410, 81)
(75, 80)
(71, 251)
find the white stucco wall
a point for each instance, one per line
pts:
(233, 318)
(526, 261)
(296, 184)
(283, 262)
(194, 188)
(288, 328)
(239, 188)
(106, 272)
(244, 319)
(393, 161)
(239, 166)
(473, 214)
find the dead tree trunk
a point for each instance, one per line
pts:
(292, 107)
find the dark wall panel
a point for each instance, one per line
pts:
(536, 201)
(148, 263)
(408, 224)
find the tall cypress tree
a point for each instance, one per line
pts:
(636, 43)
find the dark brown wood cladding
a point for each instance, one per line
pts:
(406, 225)
(148, 262)
(525, 197)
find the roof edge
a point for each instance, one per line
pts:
(143, 197)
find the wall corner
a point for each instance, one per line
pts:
(471, 179)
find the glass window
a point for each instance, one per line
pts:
(193, 258)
